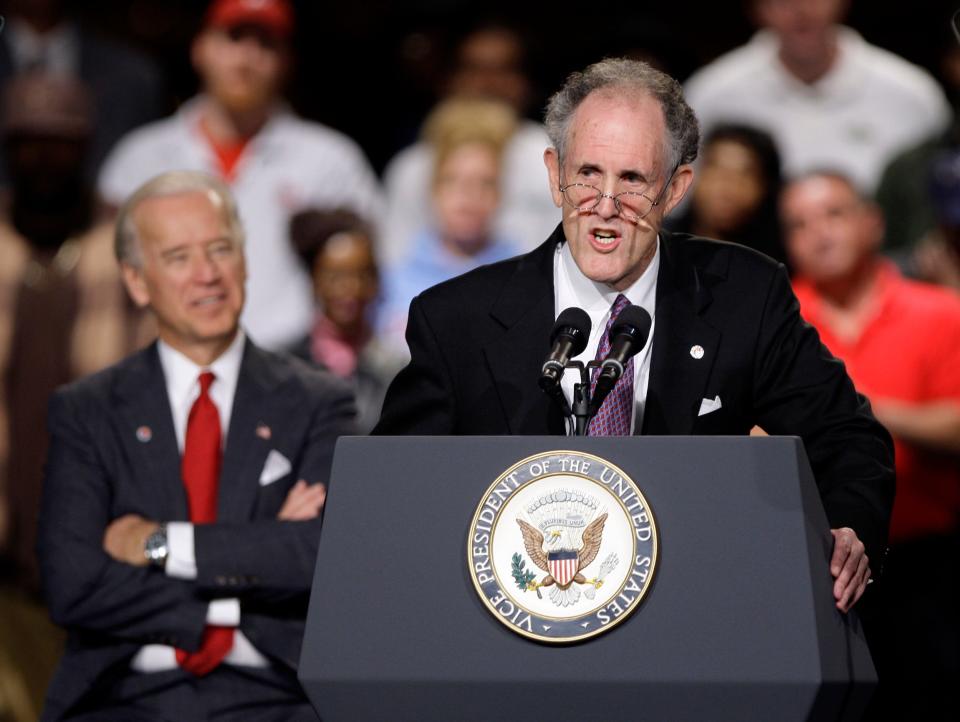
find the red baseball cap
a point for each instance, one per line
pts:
(275, 15)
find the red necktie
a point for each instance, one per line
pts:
(200, 469)
(614, 417)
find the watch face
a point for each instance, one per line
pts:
(155, 548)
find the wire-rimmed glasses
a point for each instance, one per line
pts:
(632, 205)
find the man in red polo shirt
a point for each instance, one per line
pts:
(900, 341)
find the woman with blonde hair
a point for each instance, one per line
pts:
(467, 137)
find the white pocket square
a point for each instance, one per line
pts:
(276, 466)
(708, 406)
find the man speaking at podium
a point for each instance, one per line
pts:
(727, 349)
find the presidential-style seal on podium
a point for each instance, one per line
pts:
(562, 547)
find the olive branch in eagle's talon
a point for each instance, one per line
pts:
(524, 578)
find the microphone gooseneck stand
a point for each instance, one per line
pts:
(583, 410)
(627, 336)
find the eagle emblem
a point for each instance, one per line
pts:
(562, 546)
(562, 538)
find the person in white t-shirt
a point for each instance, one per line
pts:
(238, 128)
(829, 98)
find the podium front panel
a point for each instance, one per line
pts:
(738, 622)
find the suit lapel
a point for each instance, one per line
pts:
(254, 422)
(525, 309)
(147, 433)
(678, 370)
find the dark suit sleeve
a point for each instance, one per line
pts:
(801, 389)
(421, 399)
(269, 558)
(84, 587)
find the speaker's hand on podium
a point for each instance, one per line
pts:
(849, 566)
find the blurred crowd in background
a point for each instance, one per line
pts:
(377, 150)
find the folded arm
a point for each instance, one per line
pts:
(85, 587)
(272, 556)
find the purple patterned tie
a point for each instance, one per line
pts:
(613, 418)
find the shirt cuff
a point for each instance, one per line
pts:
(181, 556)
(224, 612)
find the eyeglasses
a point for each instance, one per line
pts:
(631, 205)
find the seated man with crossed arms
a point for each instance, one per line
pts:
(181, 505)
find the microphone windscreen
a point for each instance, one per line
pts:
(575, 323)
(634, 321)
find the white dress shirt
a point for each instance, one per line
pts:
(183, 387)
(572, 288)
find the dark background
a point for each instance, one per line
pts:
(370, 68)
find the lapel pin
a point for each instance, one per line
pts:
(144, 434)
(696, 352)
(263, 431)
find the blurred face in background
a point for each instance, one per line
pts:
(730, 187)
(805, 27)
(831, 233)
(243, 67)
(45, 166)
(466, 194)
(489, 65)
(345, 279)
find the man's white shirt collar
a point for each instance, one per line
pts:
(181, 376)
(573, 288)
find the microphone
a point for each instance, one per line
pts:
(627, 336)
(568, 339)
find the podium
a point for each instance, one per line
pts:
(738, 622)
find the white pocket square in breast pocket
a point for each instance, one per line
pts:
(708, 406)
(276, 466)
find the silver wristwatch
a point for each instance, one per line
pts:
(155, 548)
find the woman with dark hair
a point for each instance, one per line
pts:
(337, 248)
(734, 197)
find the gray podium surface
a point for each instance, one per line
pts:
(739, 623)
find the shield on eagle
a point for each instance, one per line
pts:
(563, 565)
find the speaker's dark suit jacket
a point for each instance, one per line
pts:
(477, 344)
(113, 451)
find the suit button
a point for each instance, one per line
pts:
(233, 581)
(220, 580)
